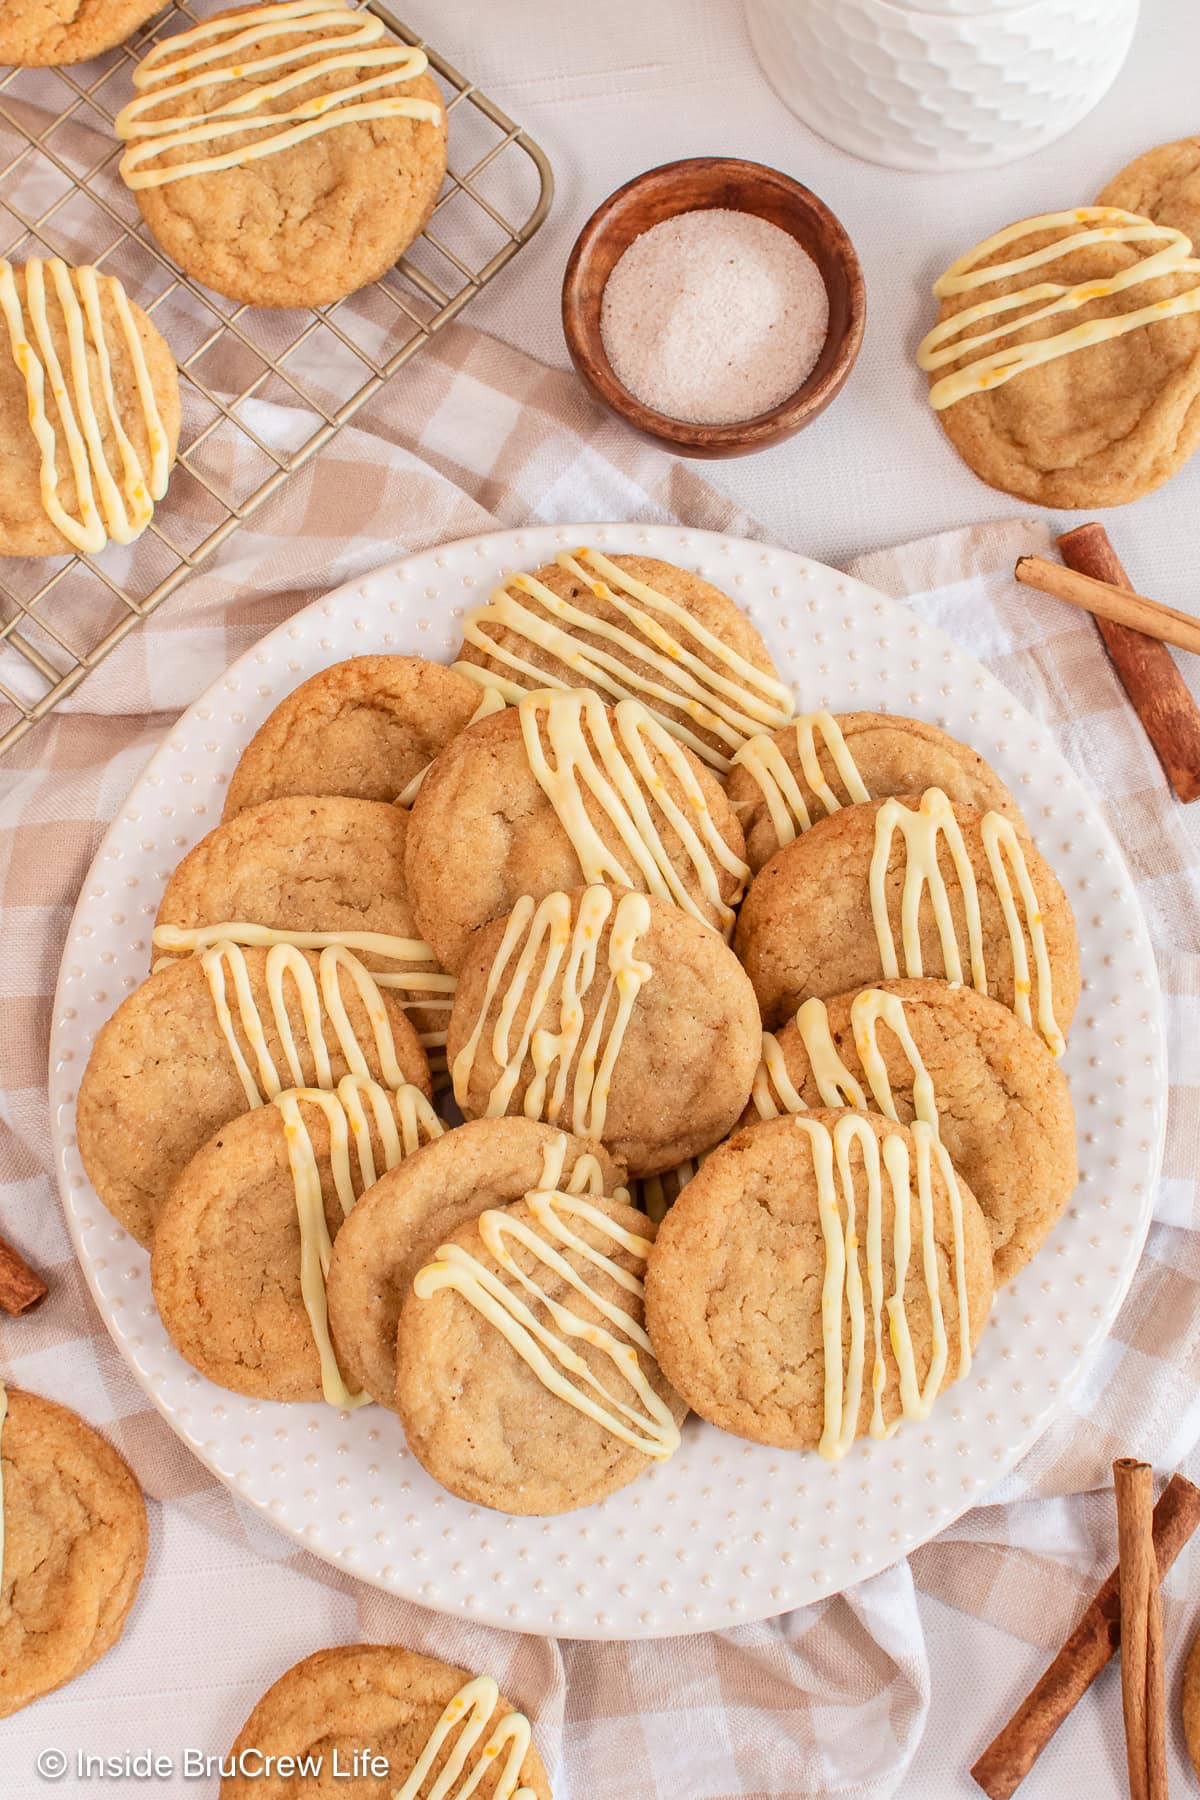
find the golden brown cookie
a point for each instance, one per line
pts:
(163, 1075)
(813, 922)
(1101, 425)
(391, 1701)
(632, 626)
(609, 1013)
(762, 1238)
(74, 1537)
(504, 1416)
(1163, 184)
(263, 1200)
(97, 484)
(37, 34)
(854, 757)
(1002, 1106)
(301, 212)
(400, 1222)
(309, 867)
(557, 792)
(363, 729)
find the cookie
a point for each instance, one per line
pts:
(632, 627)
(89, 410)
(524, 1376)
(39, 34)
(824, 916)
(1163, 184)
(213, 1036)
(285, 168)
(987, 1084)
(364, 729)
(611, 1014)
(399, 1223)
(414, 1715)
(788, 1297)
(73, 1531)
(243, 1235)
(1088, 397)
(780, 784)
(558, 792)
(310, 871)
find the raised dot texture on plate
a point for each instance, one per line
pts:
(747, 1556)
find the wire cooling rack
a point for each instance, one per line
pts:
(262, 390)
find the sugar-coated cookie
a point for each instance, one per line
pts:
(1163, 184)
(414, 1714)
(335, 170)
(73, 1530)
(827, 914)
(788, 1296)
(37, 34)
(241, 1237)
(89, 410)
(399, 1223)
(502, 1414)
(1000, 1101)
(308, 870)
(632, 627)
(200, 1042)
(780, 784)
(1084, 397)
(612, 1014)
(557, 792)
(364, 729)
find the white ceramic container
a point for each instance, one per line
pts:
(941, 84)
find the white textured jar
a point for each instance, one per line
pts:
(941, 84)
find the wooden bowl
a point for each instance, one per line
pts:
(688, 186)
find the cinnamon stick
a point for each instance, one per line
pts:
(1157, 691)
(1090, 1647)
(1141, 1632)
(1104, 601)
(21, 1288)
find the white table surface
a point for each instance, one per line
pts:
(611, 87)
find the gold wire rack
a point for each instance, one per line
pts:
(262, 390)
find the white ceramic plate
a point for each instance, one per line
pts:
(726, 1531)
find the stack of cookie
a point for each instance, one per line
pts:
(578, 872)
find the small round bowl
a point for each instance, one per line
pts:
(689, 186)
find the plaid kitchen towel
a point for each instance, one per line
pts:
(831, 1700)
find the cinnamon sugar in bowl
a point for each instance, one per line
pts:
(714, 304)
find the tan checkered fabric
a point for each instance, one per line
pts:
(831, 1700)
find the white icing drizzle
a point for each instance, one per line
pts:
(617, 770)
(1077, 230)
(110, 508)
(470, 1709)
(787, 808)
(921, 829)
(319, 1005)
(586, 1177)
(224, 51)
(659, 652)
(430, 990)
(775, 1092)
(490, 701)
(647, 1425)
(545, 950)
(654, 1198)
(842, 1289)
(346, 1117)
